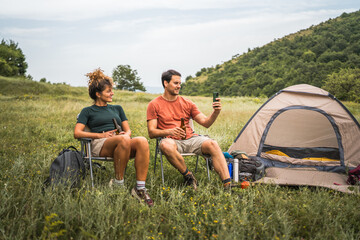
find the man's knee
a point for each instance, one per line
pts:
(168, 146)
(210, 147)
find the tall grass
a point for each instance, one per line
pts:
(35, 127)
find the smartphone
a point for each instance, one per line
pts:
(215, 96)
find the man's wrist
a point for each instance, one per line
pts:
(217, 111)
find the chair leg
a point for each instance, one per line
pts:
(156, 153)
(197, 162)
(82, 151)
(207, 167)
(162, 168)
(90, 163)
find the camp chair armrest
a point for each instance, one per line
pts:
(85, 139)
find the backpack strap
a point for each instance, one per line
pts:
(73, 148)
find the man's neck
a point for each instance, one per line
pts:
(169, 97)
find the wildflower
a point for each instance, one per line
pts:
(215, 221)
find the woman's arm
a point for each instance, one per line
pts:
(80, 133)
(126, 128)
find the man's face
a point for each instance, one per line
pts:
(173, 87)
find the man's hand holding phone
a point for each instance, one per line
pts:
(216, 101)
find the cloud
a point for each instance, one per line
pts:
(124, 25)
(70, 10)
(24, 32)
(72, 37)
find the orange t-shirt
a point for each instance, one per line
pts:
(169, 113)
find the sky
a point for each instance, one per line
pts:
(64, 40)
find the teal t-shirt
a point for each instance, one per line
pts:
(99, 119)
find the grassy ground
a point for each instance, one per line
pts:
(35, 125)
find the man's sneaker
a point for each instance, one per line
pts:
(228, 187)
(142, 196)
(190, 180)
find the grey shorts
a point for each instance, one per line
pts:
(96, 146)
(191, 145)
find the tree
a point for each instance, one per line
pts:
(345, 85)
(126, 79)
(12, 59)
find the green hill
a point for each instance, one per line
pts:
(20, 86)
(308, 56)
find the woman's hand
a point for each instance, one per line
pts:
(108, 134)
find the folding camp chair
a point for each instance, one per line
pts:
(158, 151)
(87, 157)
(86, 154)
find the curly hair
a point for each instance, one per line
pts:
(98, 82)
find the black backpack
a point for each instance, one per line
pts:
(250, 168)
(68, 169)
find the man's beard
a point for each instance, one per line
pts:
(173, 93)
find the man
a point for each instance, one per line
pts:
(164, 115)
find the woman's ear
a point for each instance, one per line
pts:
(98, 95)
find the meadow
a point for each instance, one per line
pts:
(37, 122)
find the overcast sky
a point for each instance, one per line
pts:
(63, 40)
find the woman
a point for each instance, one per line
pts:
(106, 143)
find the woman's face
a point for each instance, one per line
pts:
(106, 95)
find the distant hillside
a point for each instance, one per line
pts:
(22, 88)
(307, 56)
(17, 86)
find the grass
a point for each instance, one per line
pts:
(35, 126)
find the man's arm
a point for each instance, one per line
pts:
(208, 121)
(154, 132)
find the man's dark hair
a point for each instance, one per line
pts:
(166, 76)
